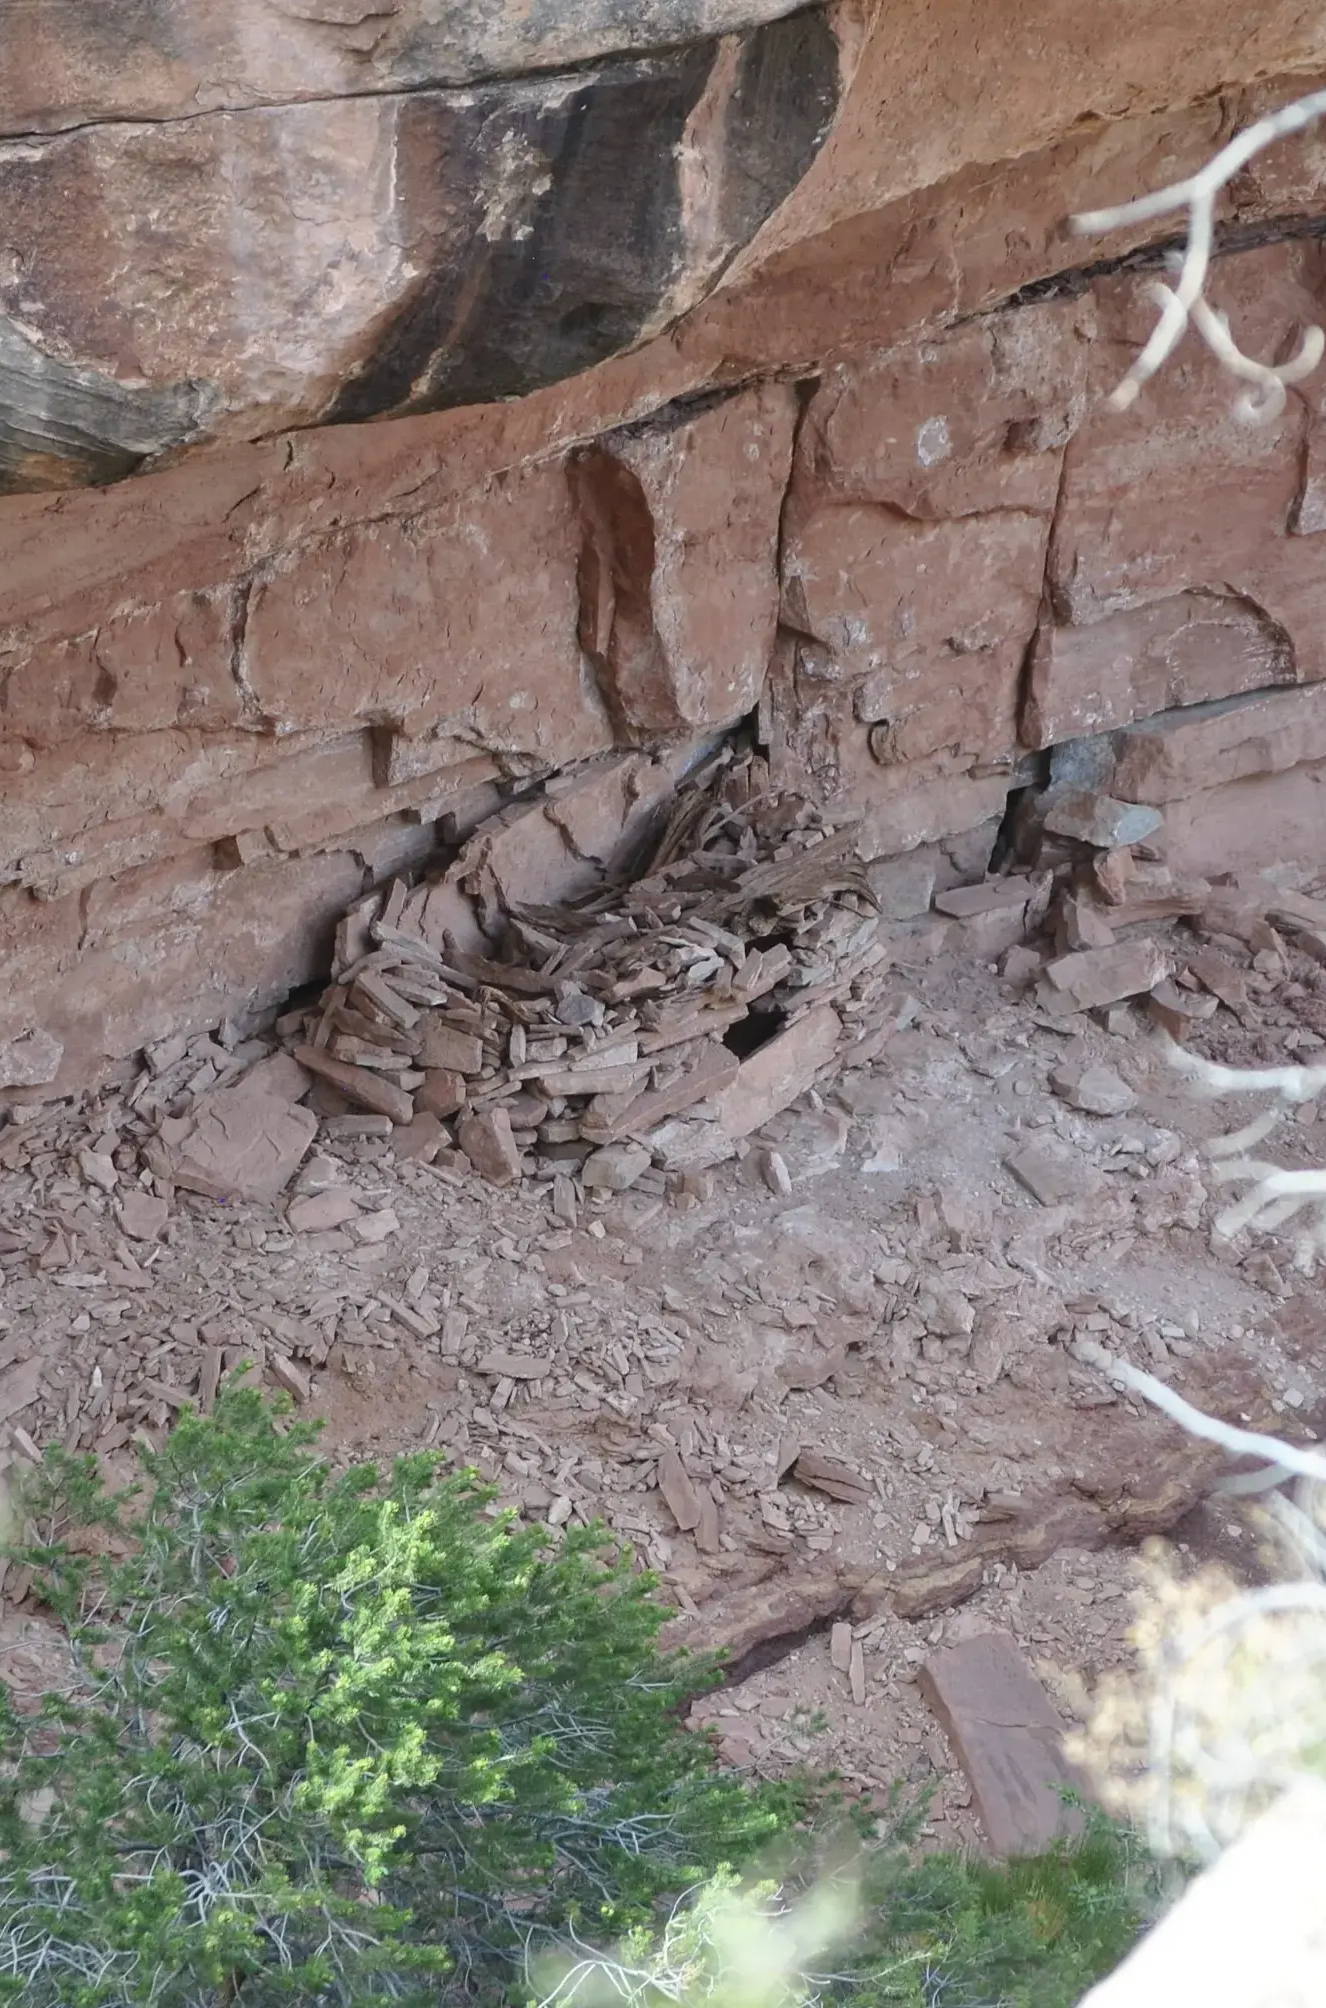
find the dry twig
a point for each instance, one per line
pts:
(1184, 303)
(1274, 1195)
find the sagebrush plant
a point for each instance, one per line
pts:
(338, 1737)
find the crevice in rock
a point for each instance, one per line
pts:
(687, 405)
(1075, 280)
(804, 389)
(239, 635)
(1048, 613)
(757, 1027)
(615, 578)
(769, 1652)
(1003, 852)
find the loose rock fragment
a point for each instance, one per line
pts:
(674, 1482)
(1113, 872)
(242, 1144)
(689, 1144)
(777, 1073)
(1021, 966)
(358, 1084)
(713, 1069)
(621, 1077)
(490, 1147)
(279, 1074)
(419, 1141)
(1178, 1010)
(857, 1673)
(904, 887)
(948, 1314)
(98, 1170)
(1095, 976)
(1312, 941)
(962, 902)
(1082, 924)
(1097, 1091)
(1100, 820)
(512, 1366)
(320, 1212)
(319, 1172)
(292, 1378)
(1008, 1740)
(1053, 1174)
(443, 1093)
(616, 1167)
(444, 1050)
(827, 1474)
(565, 1205)
(693, 1188)
(706, 1533)
(372, 1228)
(32, 1060)
(209, 1377)
(1218, 975)
(19, 1387)
(142, 1215)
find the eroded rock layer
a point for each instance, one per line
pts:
(864, 496)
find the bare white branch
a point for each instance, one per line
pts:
(1239, 1442)
(1274, 1195)
(1293, 1084)
(1184, 304)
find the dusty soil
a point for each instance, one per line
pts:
(907, 1308)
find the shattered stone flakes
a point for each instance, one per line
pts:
(569, 1040)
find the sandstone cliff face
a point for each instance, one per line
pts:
(862, 492)
(273, 214)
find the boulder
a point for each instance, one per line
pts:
(389, 236)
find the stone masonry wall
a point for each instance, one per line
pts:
(866, 497)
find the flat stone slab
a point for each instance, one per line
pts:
(241, 1143)
(1007, 1737)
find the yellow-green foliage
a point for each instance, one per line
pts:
(902, 1930)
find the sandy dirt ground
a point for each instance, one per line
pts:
(907, 1310)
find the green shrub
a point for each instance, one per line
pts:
(971, 1933)
(894, 1930)
(338, 1738)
